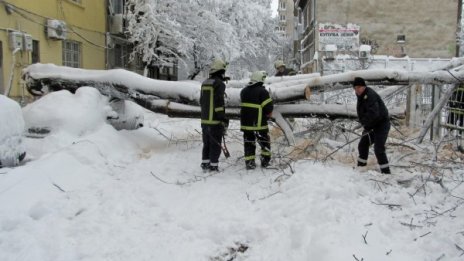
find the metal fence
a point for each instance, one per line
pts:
(450, 120)
(453, 114)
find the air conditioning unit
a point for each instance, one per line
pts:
(16, 40)
(117, 24)
(27, 44)
(56, 29)
(364, 51)
(330, 51)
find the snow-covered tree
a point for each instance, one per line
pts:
(154, 32)
(239, 31)
(255, 31)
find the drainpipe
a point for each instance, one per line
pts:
(459, 27)
(13, 62)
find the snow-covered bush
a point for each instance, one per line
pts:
(12, 150)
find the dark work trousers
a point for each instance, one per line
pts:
(378, 136)
(264, 142)
(212, 138)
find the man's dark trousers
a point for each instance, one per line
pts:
(377, 136)
(264, 142)
(212, 138)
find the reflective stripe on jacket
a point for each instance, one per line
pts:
(212, 101)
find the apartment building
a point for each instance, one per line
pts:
(425, 28)
(63, 32)
(286, 18)
(77, 33)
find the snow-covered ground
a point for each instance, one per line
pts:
(89, 192)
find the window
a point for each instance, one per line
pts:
(282, 17)
(305, 17)
(72, 54)
(313, 11)
(401, 38)
(118, 6)
(35, 55)
(282, 4)
(121, 56)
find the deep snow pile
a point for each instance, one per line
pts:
(11, 132)
(89, 192)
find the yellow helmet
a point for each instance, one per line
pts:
(258, 76)
(217, 65)
(279, 63)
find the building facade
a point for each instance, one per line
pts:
(63, 32)
(120, 49)
(84, 34)
(286, 18)
(397, 28)
(287, 27)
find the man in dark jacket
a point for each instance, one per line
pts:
(282, 70)
(213, 115)
(373, 115)
(255, 110)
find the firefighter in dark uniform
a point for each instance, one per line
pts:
(373, 115)
(282, 70)
(213, 115)
(255, 110)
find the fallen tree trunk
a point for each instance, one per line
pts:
(41, 78)
(181, 99)
(304, 110)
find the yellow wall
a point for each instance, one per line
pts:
(86, 24)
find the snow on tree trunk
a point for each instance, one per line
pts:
(181, 99)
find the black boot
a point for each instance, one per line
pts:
(214, 168)
(362, 164)
(265, 162)
(204, 166)
(385, 170)
(250, 164)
